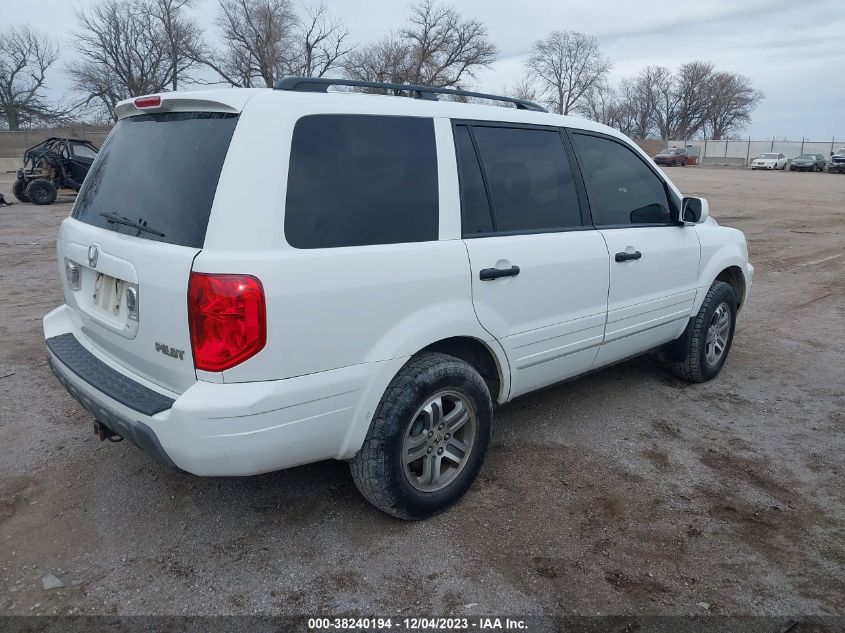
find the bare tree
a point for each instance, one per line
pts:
(263, 40)
(257, 41)
(666, 107)
(638, 98)
(387, 60)
(566, 64)
(438, 47)
(692, 90)
(445, 47)
(182, 34)
(321, 43)
(25, 57)
(524, 89)
(132, 48)
(732, 99)
(601, 103)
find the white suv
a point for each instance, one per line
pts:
(256, 279)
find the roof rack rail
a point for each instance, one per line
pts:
(322, 84)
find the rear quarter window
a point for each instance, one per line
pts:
(357, 180)
(160, 170)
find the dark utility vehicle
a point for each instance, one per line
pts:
(51, 165)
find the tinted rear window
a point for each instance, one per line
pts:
(159, 169)
(356, 180)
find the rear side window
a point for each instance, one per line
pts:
(160, 170)
(356, 180)
(528, 177)
(622, 188)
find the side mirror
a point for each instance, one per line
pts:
(695, 210)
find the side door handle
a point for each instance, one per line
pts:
(624, 256)
(495, 273)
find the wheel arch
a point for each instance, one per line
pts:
(732, 275)
(480, 356)
(487, 357)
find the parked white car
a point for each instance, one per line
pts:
(256, 279)
(770, 160)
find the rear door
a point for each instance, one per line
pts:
(539, 271)
(653, 259)
(138, 222)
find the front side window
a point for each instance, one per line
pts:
(621, 187)
(358, 180)
(528, 177)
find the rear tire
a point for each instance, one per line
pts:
(41, 192)
(427, 440)
(701, 352)
(19, 191)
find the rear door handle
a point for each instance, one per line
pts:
(495, 273)
(625, 256)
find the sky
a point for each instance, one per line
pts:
(794, 51)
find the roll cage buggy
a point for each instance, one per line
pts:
(52, 164)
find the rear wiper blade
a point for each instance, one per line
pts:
(116, 218)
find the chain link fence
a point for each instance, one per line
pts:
(741, 153)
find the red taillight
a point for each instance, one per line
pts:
(228, 319)
(148, 102)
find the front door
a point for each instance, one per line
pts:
(539, 273)
(653, 259)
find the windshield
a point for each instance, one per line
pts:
(807, 157)
(769, 156)
(670, 150)
(161, 171)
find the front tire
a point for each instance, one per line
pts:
(701, 352)
(19, 191)
(427, 440)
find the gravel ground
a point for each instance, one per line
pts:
(625, 492)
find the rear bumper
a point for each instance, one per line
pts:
(219, 429)
(133, 430)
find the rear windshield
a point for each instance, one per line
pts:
(159, 170)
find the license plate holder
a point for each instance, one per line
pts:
(107, 294)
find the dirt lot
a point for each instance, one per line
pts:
(625, 492)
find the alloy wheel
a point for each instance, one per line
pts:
(438, 441)
(717, 334)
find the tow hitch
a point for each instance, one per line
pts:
(105, 433)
